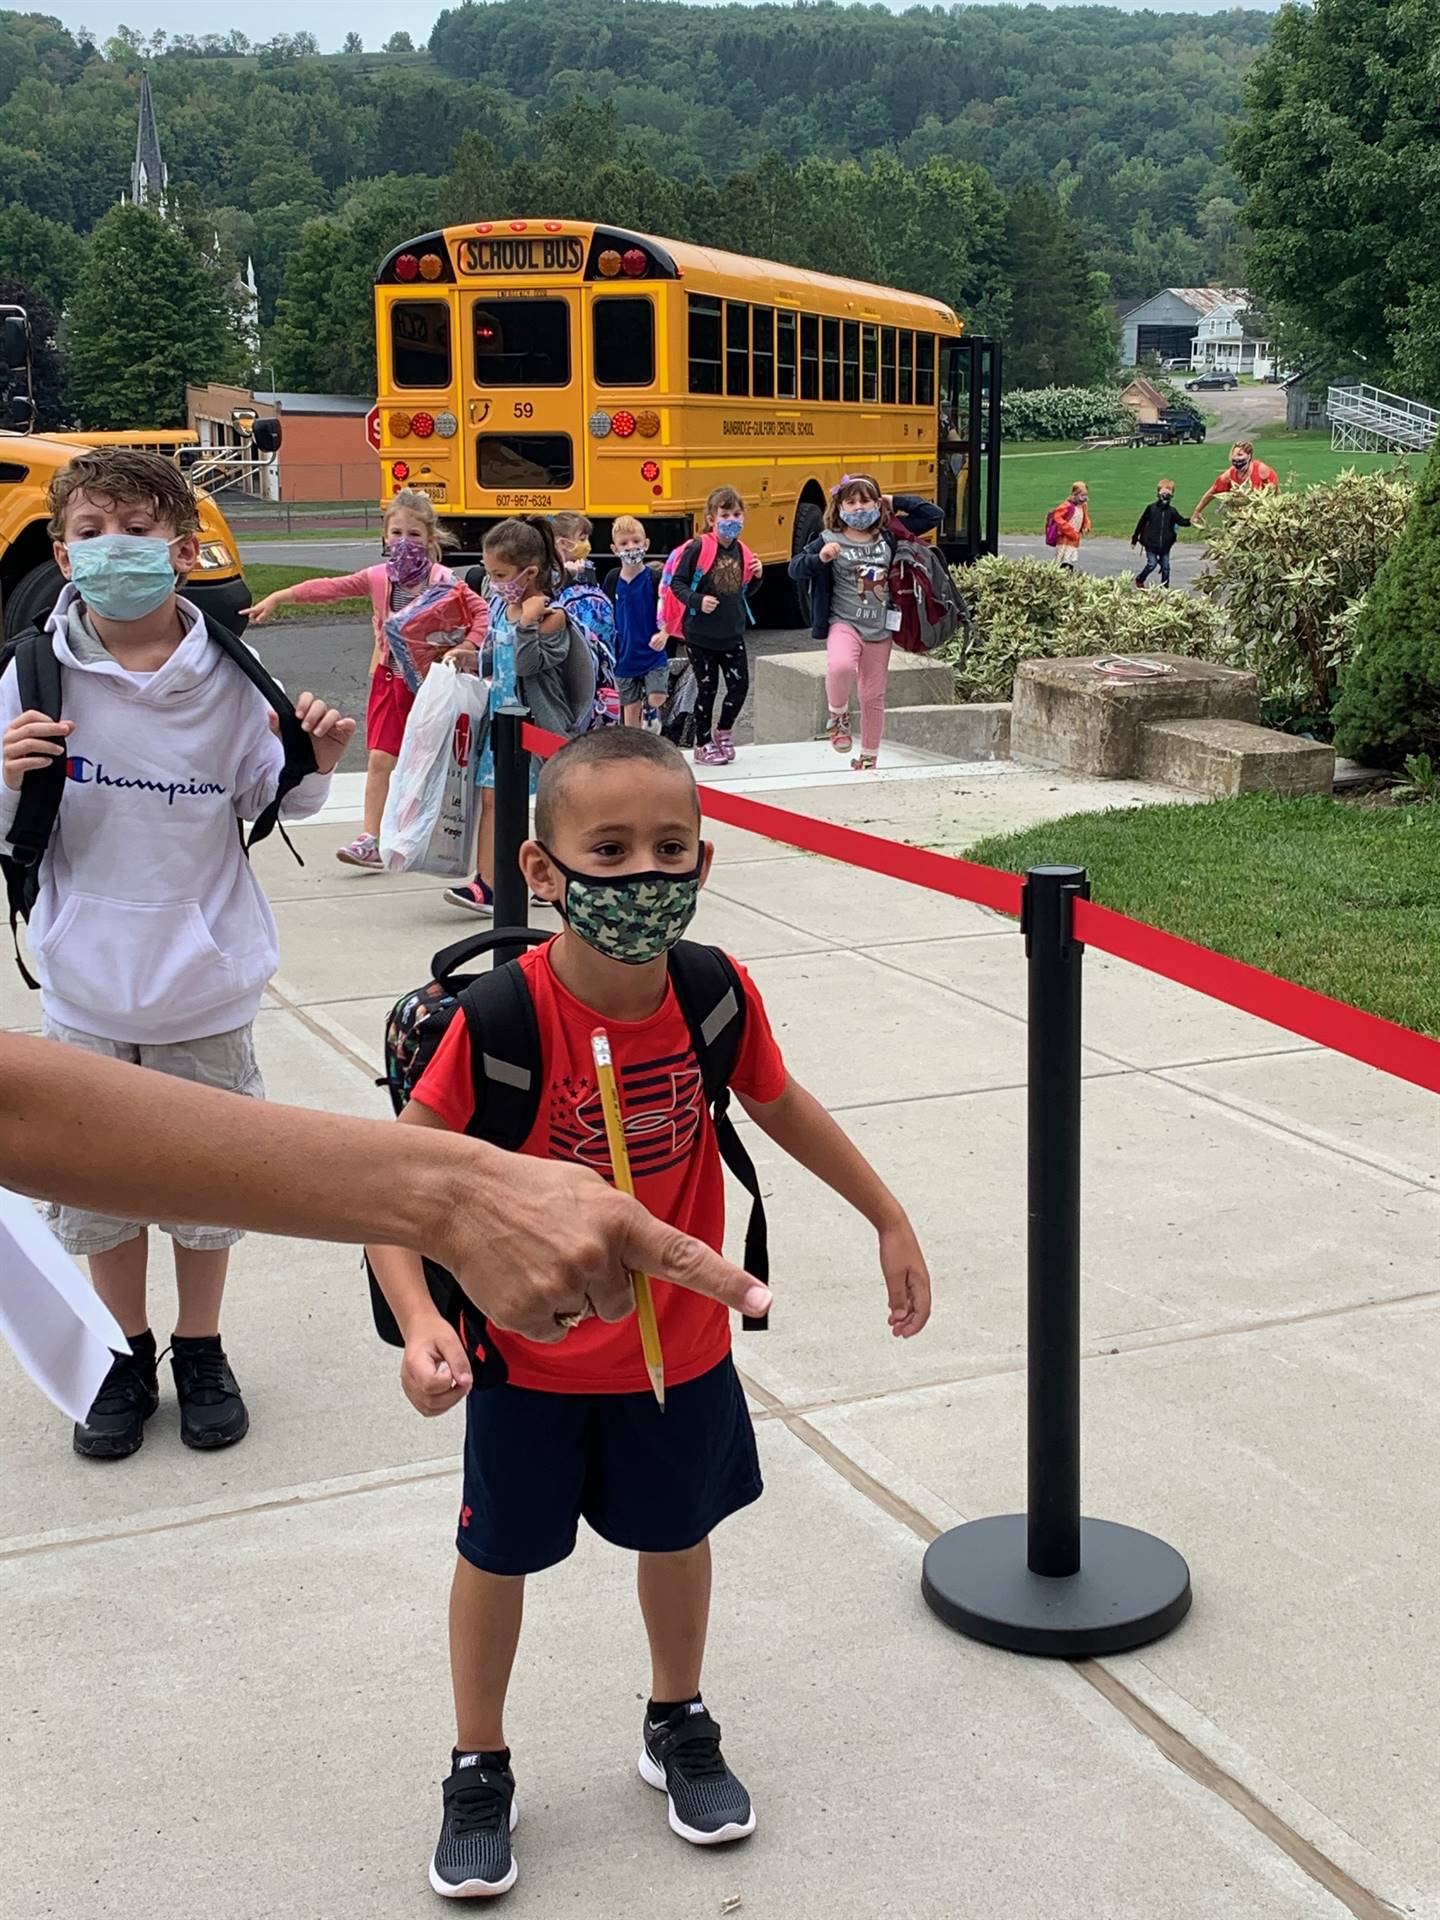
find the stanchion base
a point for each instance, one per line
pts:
(1131, 1588)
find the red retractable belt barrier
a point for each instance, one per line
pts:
(1395, 1050)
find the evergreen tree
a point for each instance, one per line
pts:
(1389, 705)
(147, 320)
(41, 253)
(1053, 339)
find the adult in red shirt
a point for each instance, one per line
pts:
(1244, 470)
(573, 1431)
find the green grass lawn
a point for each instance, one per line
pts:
(262, 579)
(1341, 898)
(1036, 476)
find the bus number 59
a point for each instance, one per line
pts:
(524, 410)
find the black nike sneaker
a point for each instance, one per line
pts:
(212, 1414)
(472, 1859)
(681, 1756)
(129, 1394)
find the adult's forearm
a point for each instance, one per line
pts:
(95, 1133)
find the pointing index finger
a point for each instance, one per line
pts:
(668, 1254)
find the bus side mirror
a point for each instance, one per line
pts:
(15, 342)
(20, 413)
(265, 435)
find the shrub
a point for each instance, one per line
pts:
(1288, 567)
(1389, 704)
(1063, 413)
(1034, 610)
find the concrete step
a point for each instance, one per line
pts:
(1080, 715)
(790, 699)
(977, 732)
(1226, 757)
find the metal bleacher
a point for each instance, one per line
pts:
(1369, 420)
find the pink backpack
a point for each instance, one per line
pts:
(1052, 528)
(674, 603)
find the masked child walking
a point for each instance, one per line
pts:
(413, 628)
(642, 665)
(711, 579)
(150, 936)
(847, 566)
(572, 1431)
(525, 657)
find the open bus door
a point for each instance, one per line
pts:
(17, 407)
(969, 457)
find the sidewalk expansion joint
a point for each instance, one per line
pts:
(1173, 1745)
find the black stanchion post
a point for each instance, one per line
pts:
(512, 820)
(1048, 1581)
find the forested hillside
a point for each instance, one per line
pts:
(890, 145)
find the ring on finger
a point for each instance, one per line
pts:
(569, 1321)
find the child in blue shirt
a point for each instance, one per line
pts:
(642, 669)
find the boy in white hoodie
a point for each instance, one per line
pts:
(151, 938)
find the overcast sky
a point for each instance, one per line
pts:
(374, 20)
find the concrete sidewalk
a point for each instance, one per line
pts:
(224, 1678)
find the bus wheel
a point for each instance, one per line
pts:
(807, 524)
(30, 601)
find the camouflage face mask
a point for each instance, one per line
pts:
(632, 917)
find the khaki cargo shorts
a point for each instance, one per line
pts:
(225, 1060)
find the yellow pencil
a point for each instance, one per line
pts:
(620, 1168)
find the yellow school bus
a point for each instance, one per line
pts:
(539, 365)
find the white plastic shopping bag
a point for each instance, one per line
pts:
(431, 811)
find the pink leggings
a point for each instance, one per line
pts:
(849, 658)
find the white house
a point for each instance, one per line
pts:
(1221, 341)
(1197, 327)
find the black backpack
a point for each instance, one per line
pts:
(505, 1062)
(39, 677)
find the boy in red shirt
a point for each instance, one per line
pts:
(574, 1430)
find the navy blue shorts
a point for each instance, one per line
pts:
(651, 1482)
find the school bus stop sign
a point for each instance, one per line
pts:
(372, 428)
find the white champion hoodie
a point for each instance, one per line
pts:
(150, 925)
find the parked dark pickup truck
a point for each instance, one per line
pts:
(1175, 426)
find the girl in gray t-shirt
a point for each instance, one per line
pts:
(855, 551)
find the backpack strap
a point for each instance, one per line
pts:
(505, 1072)
(712, 1000)
(299, 748)
(37, 672)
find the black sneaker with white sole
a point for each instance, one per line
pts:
(114, 1428)
(681, 1756)
(472, 1859)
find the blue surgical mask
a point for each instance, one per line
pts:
(861, 518)
(731, 527)
(123, 576)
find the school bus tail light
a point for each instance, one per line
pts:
(400, 425)
(422, 425)
(634, 263)
(406, 267)
(650, 470)
(400, 471)
(609, 263)
(622, 423)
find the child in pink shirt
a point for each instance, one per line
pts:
(413, 538)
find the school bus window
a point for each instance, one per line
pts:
(924, 369)
(809, 356)
(737, 347)
(762, 349)
(830, 360)
(420, 343)
(907, 367)
(786, 357)
(851, 357)
(869, 376)
(525, 461)
(887, 366)
(706, 370)
(624, 333)
(522, 343)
